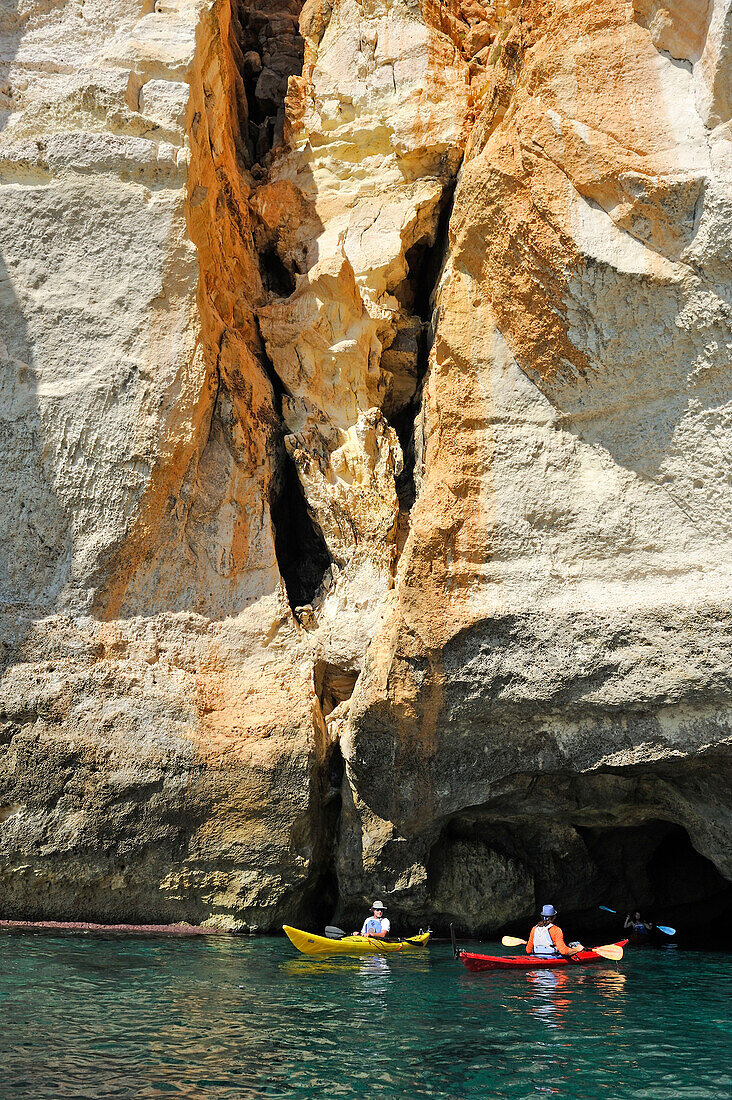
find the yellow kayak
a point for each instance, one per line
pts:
(310, 944)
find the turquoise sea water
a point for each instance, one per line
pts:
(93, 1017)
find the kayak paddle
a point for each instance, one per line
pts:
(608, 950)
(665, 928)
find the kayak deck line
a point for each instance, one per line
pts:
(86, 926)
(476, 963)
(311, 944)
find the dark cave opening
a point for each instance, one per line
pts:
(480, 868)
(277, 279)
(416, 294)
(302, 555)
(333, 685)
(319, 900)
(655, 868)
(271, 51)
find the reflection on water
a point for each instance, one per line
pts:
(549, 1000)
(374, 965)
(554, 992)
(85, 1018)
(309, 967)
(610, 983)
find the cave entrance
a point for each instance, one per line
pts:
(655, 868)
(319, 896)
(491, 876)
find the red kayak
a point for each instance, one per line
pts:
(476, 963)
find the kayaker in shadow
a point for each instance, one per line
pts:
(546, 939)
(640, 929)
(377, 925)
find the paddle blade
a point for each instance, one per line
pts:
(334, 933)
(512, 941)
(607, 908)
(665, 928)
(609, 951)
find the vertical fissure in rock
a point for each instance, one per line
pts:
(269, 50)
(334, 685)
(302, 555)
(424, 263)
(272, 50)
(320, 896)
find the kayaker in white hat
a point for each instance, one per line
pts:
(377, 924)
(546, 938)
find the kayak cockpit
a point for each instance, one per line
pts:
(311, 944)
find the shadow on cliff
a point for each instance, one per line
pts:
(35, 530)
(659, 415)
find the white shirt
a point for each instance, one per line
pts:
(372, 925)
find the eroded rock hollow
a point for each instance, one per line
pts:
(366, 433)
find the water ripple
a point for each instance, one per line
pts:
(89, 1018)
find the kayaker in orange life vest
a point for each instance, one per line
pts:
(546, 938)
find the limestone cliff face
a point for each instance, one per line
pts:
(367, 424)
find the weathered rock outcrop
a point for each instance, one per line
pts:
(367, 422)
